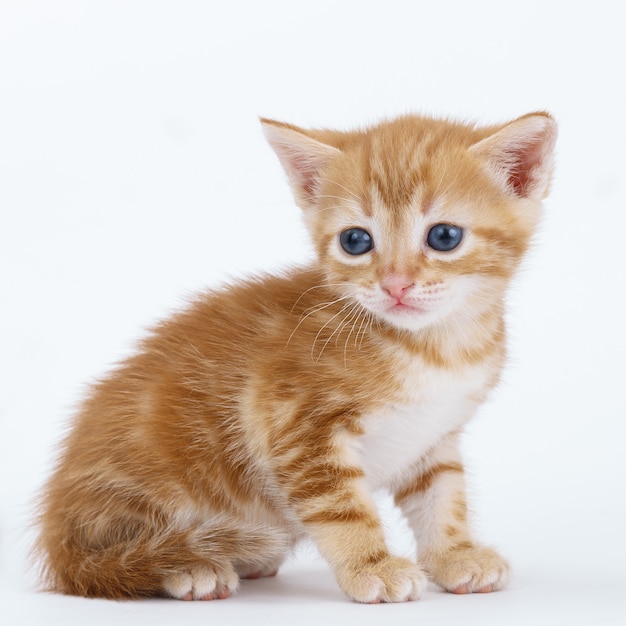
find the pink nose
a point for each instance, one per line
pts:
(396, 286)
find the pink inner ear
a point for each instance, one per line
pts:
(527, 158)
(306, 173)
(301, 156)
(520, 155)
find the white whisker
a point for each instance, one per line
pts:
(319, 332)
(360, 312)
(316, 309)
(323, 286)
(354, 195)
(367, 321)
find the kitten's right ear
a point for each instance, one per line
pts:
(302, 157)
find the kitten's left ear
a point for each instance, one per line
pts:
(302, 157)
(520, 155)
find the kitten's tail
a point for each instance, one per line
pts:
(138, 567)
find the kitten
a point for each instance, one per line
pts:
(273, 408)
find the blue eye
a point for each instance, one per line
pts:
(356, 241)
(444, 237)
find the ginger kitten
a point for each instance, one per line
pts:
(271, 409)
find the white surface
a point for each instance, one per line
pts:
(133, 172)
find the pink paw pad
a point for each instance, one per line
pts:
(260, 574)
(464, 589)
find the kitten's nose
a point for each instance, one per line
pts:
(396, 286)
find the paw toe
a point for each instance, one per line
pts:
(391, 580)
(464, 589)
(472, 570)
(202, 583)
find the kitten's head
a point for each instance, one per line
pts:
(420, 219)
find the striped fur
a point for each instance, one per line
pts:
(271, 409)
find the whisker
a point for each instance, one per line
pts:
(350, 192)
(322, 305)
(319, 332)
(343, 308)
(328, 196)
(348, 320)
(443, 174)
(316, 309)
(322, 286)
(443, 193)
(367, 320)
(369, 328)
(333, 207)
(360, 311)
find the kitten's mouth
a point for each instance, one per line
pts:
(405, 307)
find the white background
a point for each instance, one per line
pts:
(133, 172)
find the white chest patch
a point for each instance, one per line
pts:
(437, 402)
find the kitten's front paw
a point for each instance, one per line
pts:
(202, 583)
(475, 569)
(392, 579)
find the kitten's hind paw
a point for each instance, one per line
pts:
(202, 583)
(392, 579)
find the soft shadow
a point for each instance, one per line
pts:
(293, 584)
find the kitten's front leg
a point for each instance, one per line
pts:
(332, 501)
(434, 503)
